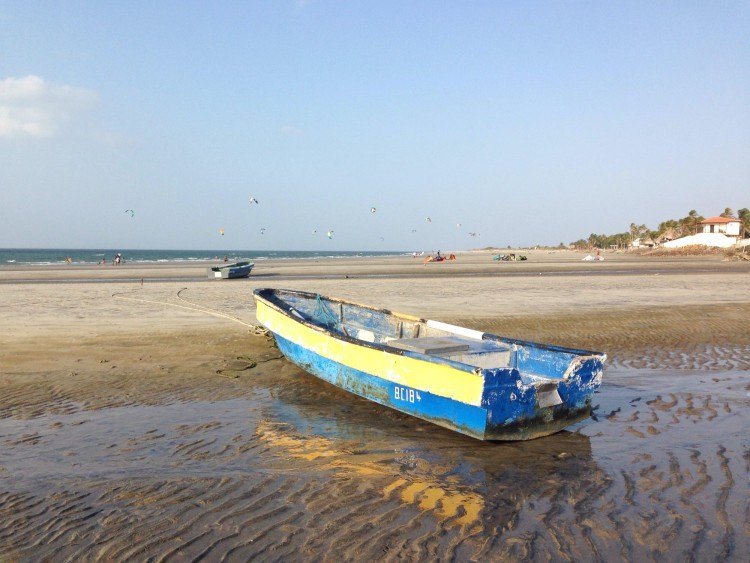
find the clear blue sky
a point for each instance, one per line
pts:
(527, 122)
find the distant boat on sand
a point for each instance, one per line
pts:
(231, 271)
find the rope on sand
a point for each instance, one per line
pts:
(258, 330)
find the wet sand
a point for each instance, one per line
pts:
(135, 429)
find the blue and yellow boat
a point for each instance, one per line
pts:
(479, 384)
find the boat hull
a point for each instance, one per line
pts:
(487, 404)
(235, 273)
(232, 271)
(446, 412)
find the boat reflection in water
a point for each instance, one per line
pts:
(426, 469)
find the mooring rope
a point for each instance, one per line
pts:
(259, 330)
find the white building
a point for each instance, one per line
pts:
(728, 226)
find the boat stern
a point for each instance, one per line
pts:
(522, 405)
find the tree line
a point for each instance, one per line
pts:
(667, 230)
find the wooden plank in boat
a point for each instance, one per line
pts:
(431, 345)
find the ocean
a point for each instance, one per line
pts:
(52, 256)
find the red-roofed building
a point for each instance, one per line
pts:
(726, 225)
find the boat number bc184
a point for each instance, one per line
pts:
(406, 394)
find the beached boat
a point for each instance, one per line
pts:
(231, 271)
(480, 384)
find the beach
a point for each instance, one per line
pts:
(143, 416)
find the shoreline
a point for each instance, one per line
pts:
(476, 263)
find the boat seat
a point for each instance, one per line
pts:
(436, 345)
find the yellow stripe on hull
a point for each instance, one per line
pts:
(439, 379)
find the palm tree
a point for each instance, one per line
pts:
(744, 216)
(728, 212)
(633, 232)
(691, 222)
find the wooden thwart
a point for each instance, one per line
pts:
(431, 345)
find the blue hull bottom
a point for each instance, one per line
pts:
(467, 419)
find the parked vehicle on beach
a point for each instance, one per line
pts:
(479, 384)
(230, 271)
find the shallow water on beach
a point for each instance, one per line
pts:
(293, 467)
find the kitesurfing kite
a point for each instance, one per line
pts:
(414, 230)
(458, 225)
(429, 219)
(132, 213)
(221, 232)
(253, 200)
(263, 230)
(329, 234)
(473, 234)
(373, 210)
(315, 231)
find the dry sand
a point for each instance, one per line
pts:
(142, 428)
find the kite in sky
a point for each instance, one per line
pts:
(373, 210)
(329, 234)
(253, 200)
(221, 232)
(429, 220)
(132, 213)
(263, 230)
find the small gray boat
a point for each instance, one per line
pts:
(230, 271)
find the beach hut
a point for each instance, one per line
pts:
(670, 234)
(643, 242)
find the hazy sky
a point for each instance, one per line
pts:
(527, 122)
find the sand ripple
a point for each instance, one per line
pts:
(298, 469)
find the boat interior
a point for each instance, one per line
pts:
(465, 346)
